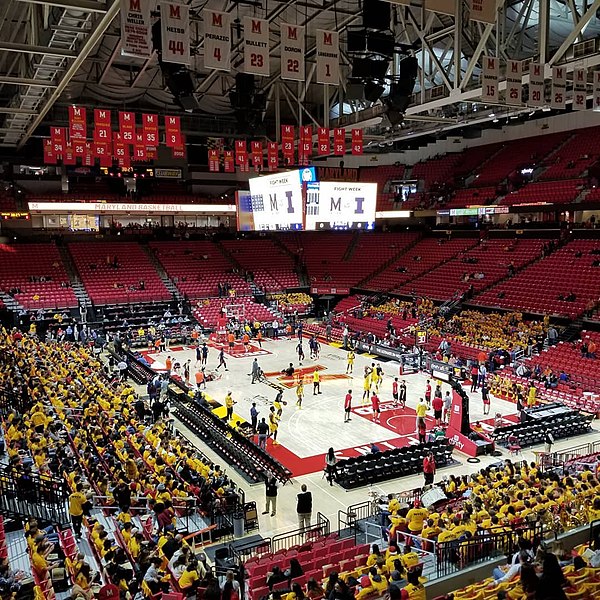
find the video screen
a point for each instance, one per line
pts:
(339, 205)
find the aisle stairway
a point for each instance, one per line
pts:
(76, 283)
(169, 284)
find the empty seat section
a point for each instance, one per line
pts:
(573, 158)
(271, 265)
(106, 284)
(540, 287)
(22, 267)
(551, 192)
(208, 311)
(198, 267)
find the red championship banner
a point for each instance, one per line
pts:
(179, 151)
(323, 140)
(339, 141)
(49, 156)
(88, 155)
(357, 142)
(213, 160)
(103, 151)
(287, 143)
(69, 154)
(257, 155)
(305, 145)
(77, 123)
(150, 129)
(228, 162)
(172, 131)
(102, 117)
(272, 156)
(127, 126)
(58, 135)
(241, 152)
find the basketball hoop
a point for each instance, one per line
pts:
(235, 311)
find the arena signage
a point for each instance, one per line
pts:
(117, 207)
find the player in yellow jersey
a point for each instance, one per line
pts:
(366, 387)
(299, 393)
(273, 424)
(350, 362)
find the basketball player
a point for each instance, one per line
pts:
(316, 383)
(245, 341)
(428, 394)
(299, 393)
(204, 354)
(350, 362)
(402, 393)
(222, 362)
(273, 425)
(278, 403)
(300, 351)
(366, 386)
(348, 406)
(229, 406)
(395, 391)
(376, 407)
(231, 341)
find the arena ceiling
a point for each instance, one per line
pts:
(57, 52)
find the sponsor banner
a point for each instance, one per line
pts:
(559, 88)
(293, 43)
(324, 142)
(339, 141)
(272, 156)
(213, 160)
(175, 32)
(596, 106)
(446, 7)
(489, 79)
(168, 173)
(579, 89)
(77, 123)
(377, 349)
(536, 85)
(357, 142)
(514, 82)
(328, 57)
(136, 28)
(256, 46)
(483, 11)
(330, 290)
(217, 40)
(228, 161)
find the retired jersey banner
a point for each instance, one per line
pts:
(536, 85)
(272, 156)
(150, 129)
(357, 142)
(127, 126)
(228, 164)
(172, 131)
(79, 147)
(305, 144)
(58, 136)
(213, 160)
(257, 155)
(328, 57)
(49, 155)
(102, 117)
(287, 142)
(77, 123)
(323, 141)
(293, 45)
(446, 7)
(256, 46)
(579, 89)
(69, 154)
(140, 151)
(596, 106)
(241, 152)
(339, 142)
(175, 32)
(136, 28)
(88, 155)
(489, 79)
(217, 40)
(559, 88)
(483, 11)
(514, 82)
(102, 134)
